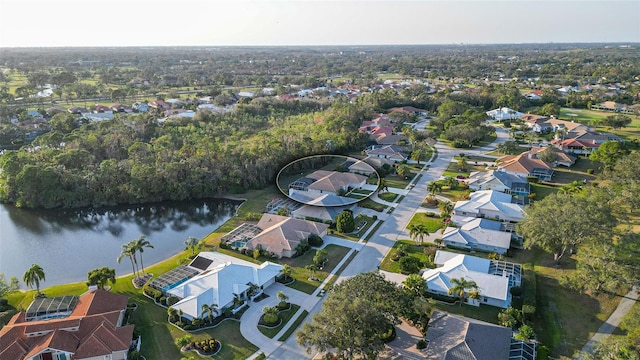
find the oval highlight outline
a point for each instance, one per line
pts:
(316, 180)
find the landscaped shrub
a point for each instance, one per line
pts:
(315, 240)
(270, 319)
(421, 345)
(589, 171)
(529, 291)
(151, 292)
(389, 335)
(429, 214)
(410, 265)
(172, 300)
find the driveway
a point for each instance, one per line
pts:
(374, 251)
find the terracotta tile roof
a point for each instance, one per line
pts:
(522, 163)
(90, 331)
(58, 339)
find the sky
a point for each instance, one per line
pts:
(45, 23)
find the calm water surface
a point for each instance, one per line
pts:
(69, 243)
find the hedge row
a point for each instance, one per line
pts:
(529, 287)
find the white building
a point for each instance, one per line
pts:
(503, 114)
(489, 204)
(493, 278)
(223, 279)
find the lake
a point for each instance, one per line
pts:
(69, 243)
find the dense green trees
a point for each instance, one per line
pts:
(138, 160)
(11, 286)
(561, 222)
(354, 318)
(101, 277)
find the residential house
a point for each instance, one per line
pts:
(77, 110)
(90, 326)
(121, 108)
(410, 110)
(543, 124)
(140, 107)
(478, 234)
(613, 107)
(489, 204)
(392, 152)
(562, 158)
(359, 167)
(493, 278)
(281, 235)
(160, 105)
(498, 181)
(221, 279)
(98, 108)
(504, 114)
(455, 337)
(319, 213)
(387, 139)
(583, 143)
(333, 182)
(525, 164)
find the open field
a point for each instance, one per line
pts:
(591, 117)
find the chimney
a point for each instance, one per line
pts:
(530, 155)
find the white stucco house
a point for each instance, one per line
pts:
(489, 204)
(503, 114)
(493, 278)
(223, 279)
(478, 234)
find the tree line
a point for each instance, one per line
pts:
(138, 159)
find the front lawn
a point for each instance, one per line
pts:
(363, 223)
(413, 250)
(387, 196)
(302, 275)
(368, 203)
(432, 223)
(453, 169)
(398, 182)
(541, 191)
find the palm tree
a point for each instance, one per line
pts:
(138, 245)
(311, 268)
(462, 164)
(128, 251)
(438, 242)
(192, 243)
(460, 287)
(413, 231)
(434, 187)
(286, 271)
(282, 296)
(421, 233)
(33, 276)
(445, 207)
(403, 170)
(209, 311)
(451, 182)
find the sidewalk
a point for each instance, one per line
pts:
(613, 321)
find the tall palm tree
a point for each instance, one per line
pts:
(282, 296)
(192, 243)
(413, 231)
(460, 287)
(33, 276)
(421, 233)
(434, 187)
(286, 271)
(138, 245)
(128, 251)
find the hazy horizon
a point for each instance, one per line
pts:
(139, 23)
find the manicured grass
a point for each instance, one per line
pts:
(387, 196)
(454, 170)
(483, 312)
(362, 224)
(346, 263)
(542, 191)
(398, 182)
(566, 319)
(294, 326)
(433, 224)
(472, 159)
(368, 203)
(285, 316)
(586, 117)
(302, 275)
(414, 250)
(454, 195)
